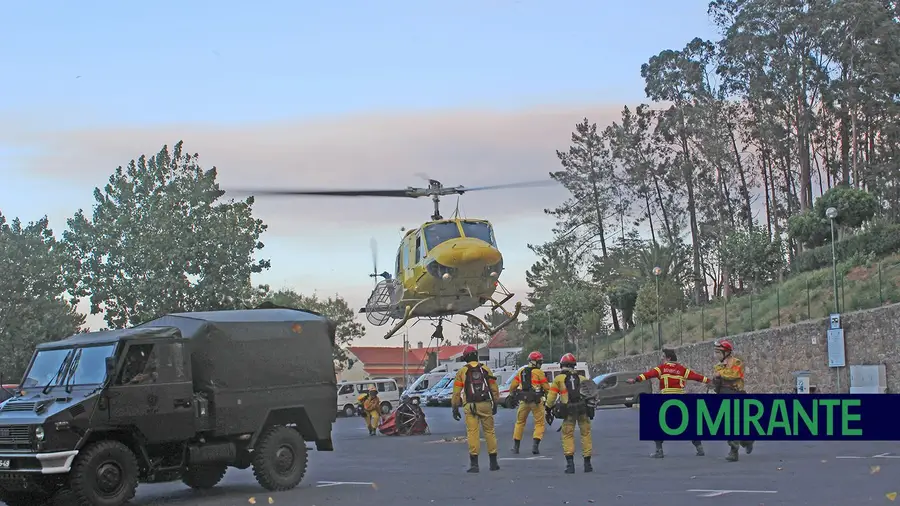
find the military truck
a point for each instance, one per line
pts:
(181, 397)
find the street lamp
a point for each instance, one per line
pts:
(832, 213)
(656, 272)
(549, 330)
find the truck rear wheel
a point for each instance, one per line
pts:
(279, 459)
(203, 476)
(104, 474)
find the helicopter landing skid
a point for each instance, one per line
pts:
(407, 313)
(510, 317)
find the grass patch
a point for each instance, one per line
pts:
(862, 284)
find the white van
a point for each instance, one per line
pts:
(423, 383)
(550, 370)
(349, 392)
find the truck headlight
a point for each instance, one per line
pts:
(39, 433)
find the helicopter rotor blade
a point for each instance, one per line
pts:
(408, 193)
(373, 244)
(527, 184)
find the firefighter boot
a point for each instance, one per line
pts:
(494, 465)
(658, 454)
(587, 465)
(535, 447)
(515, 448)
(699, 448)
(732, 455)
(570, 464)
(473, 464)
(748, 447)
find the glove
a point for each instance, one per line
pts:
(493, 408)
(456, 414)
(630, 381)
(548, 415)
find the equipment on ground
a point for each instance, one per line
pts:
(407, 420)
(445, 267)
(184, 396)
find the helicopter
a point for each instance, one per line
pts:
(446, 267)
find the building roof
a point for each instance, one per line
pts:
(388, 360)
(502, 339)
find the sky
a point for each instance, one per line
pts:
(349, 94)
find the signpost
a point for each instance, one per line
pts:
(836, 349)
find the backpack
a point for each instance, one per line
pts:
(525, 379)
(477, 388)
(573, 386)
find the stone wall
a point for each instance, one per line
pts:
(871, 337)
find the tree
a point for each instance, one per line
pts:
(33, 304)
(671, 298)
(335, 308)
(161, 241)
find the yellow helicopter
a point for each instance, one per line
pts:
(443, 268)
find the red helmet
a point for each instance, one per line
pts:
(724, 345)
(567, 359)
(468, 351)
(535, 356)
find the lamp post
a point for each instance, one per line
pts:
(656, 272)
(549, 307)
(831, 213)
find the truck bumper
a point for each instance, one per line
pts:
(39, 463)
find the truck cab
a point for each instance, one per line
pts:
(182, 397)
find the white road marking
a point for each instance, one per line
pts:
(879, 456)
(539, 457)
(717, 493)
(333, 483)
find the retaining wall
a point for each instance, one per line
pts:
(871, 337)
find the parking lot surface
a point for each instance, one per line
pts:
(430, 470)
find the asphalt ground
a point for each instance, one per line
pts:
(430, 470)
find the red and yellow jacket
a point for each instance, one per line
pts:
(672, 376)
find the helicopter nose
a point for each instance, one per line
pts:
(469, 253)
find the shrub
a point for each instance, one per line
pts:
(880, 240)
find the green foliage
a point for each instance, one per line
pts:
(809, 228)
(881, 239)
(854, 206)
(33, 306)
(335, 308)
(753, 257)
(671, 299)
(161, 241)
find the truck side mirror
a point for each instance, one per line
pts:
(110, 366)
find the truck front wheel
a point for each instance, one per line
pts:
(104, 474)
(204, 476)
(279, 459)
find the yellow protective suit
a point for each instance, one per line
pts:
(371, 410)
(559, 392)
(477, 414)
(539, 385)
(731, 372)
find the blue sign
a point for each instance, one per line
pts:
(772, 417)
(836, 355)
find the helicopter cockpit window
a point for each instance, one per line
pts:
(479, 230)
(440, 232)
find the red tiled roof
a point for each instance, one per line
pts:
(376, 359)
(501, 340)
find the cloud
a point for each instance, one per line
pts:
(377, 150)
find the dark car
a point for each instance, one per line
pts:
(181, 397)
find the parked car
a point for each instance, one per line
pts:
(613, 388)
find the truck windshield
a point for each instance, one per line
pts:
(90, 366)
(49, 367)
(441, 384)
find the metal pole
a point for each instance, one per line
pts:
(405, 353)
(834, 264)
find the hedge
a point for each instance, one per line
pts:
(880, 240)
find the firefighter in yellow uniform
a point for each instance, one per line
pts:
(728, 378)
(370, 408)
(476, 387)
(529, 388)
(572, 408)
